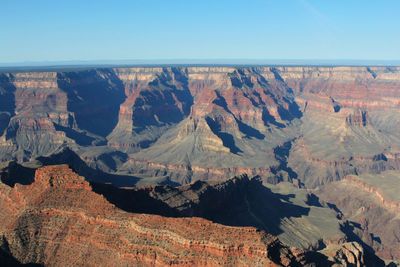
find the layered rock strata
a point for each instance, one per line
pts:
(59, 220)
(194, 123)
(370, 203)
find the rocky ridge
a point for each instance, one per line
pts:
(309, 126)
(213, 121)
(58, 219)
(368, 202)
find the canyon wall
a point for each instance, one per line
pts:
(307, 125)
(60, 220)
(371, 205)
(322, 128)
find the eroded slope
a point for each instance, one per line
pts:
(58, 220)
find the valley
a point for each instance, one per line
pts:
(312, 154)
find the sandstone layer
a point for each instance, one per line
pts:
(310, 125)
(58, 220)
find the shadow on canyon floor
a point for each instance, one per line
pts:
(236, 202)
(15, 173)
(67, 156)
(8, 260)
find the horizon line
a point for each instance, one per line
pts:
(68, 65)
(32, 63)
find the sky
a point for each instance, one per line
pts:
(63, 30)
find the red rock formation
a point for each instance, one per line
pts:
(58, 220)
(203, 113)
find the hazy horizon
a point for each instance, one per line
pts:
(190, 62)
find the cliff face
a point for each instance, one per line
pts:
(59, 220)
(208, 122)
(309, 126)
(371, 204)
(282, 210)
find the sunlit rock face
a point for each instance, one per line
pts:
(60, 219)
(321, 129)
(307, 125)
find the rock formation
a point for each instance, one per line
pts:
(309, 126)
(59, 220)
(371, 204)
(192, 123)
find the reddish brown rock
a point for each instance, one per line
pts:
(58, 220)
(306, 125)
(210, 120)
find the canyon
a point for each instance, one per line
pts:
(321, 143)
(59, 219)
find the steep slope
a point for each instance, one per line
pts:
(371, 204)
(155, 98)
(284, 211)
(231, 108)
(58, 220)
(51, 109)
(308, 125)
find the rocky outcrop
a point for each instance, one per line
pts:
(191, 123)
(360, 118)
(370, 204)
(174, 125)
(385, 200)
(238, 202)
(59, 220)
(155, 98)
(347, 254)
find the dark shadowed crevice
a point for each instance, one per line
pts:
(80, 138)
(268, 119)
(220, 101)
(373, 74)
(277, 76)
(239, 79)
(349, 228)
(294, 109)
(253, 102)
(15, 173)
(167, 100)
(249, 131)
(313, 200)
(281, 155)
(7, 101)
(243, 127)
(155, 107)
(239, 201)
(293, 112)
(94, 96)
(227, 139)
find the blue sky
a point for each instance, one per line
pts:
(44, 30)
